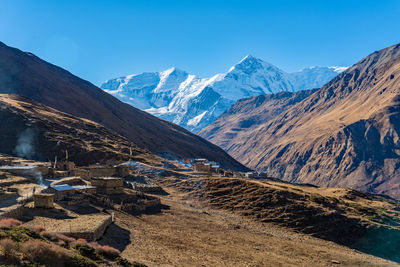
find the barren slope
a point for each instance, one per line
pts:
(36, 131)
(191, 233)
(344, 135)
(246, 115)
(240, 221)
(25, 74)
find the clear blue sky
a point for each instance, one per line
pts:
(97, 40)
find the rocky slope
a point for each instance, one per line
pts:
(194, 102)
(38, 132)
(346, 134)
(25, 74)
(246, 115)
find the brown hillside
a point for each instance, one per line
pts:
(246, 115)
(344, 135)
(348, 217)
(36, 131)
(25, 74)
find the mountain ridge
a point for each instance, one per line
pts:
(25, 74)
(181, 93)
(346, 134)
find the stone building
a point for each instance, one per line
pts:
(104, 171)
(228, 174)
(60, 191)
(98, 171)
(122, 170)
(202, 167)
(65, 165)
(108, 185)
(43, 200)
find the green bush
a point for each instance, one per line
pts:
(125, 263)
(80, 261)
(21, 234)
(85, 250)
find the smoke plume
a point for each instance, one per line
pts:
(25, 144)
(39, 178)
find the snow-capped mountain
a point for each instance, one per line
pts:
(194, 102)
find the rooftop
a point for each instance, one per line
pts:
(78, 187)
(62, 187)
(106, 178)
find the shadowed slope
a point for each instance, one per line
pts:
(25, 74)
(344, 135)
(32, 130)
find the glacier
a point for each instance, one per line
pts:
(194, 102)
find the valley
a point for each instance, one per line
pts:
(342, 135)
(202, 218)
(252, 167)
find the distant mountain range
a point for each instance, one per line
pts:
(346, 134)
(194, 102)
(26, 75)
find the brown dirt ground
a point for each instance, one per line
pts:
(192, 234)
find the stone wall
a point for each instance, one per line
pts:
(102, 171)
(15, 213)
(94, 235)
(43, 201)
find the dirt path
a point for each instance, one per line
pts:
(189, 234)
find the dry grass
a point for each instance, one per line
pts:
(191, 234)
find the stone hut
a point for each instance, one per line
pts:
(43, 200)
(122, 170)
(98, 171)
(108, 185)
(228, 174)
(85, 189)
(65, 165)
(202, 167)
(60, 191)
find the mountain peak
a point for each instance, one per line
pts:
(249, 64)
(173, 70)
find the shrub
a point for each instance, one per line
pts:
(80, 261)
(85, 250)
(41, 252)
(55, 237)
(125, 263)
(22, 234)
(66, 239)
(9, 222)
(9, 250)
(50, 236)
(108, 251)
(36, 228)
(81, 240)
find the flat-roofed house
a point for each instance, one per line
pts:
(60, 191)
(42, 200)
(108, 185)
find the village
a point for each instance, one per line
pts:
(79, 201)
